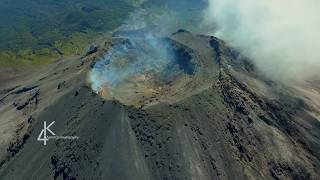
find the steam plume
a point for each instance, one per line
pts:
(281, 36)
(143, 52)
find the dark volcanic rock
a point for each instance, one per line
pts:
(92, 49)
(239, 126)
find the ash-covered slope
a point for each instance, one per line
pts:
(224, 121)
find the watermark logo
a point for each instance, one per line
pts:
(43, 136)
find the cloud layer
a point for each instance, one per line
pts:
(282, 37)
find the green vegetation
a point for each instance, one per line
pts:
(38, 31)
(185, 14)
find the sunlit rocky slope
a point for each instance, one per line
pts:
(214, 117)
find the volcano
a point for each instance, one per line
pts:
(193, 109)
(143, 71)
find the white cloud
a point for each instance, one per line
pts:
(281, 36)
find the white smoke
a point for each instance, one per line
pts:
(127, 60)
(143, 51)
(281, 36)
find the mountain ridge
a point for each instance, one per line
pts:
(241, 125)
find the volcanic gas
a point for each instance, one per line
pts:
(139, 71)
